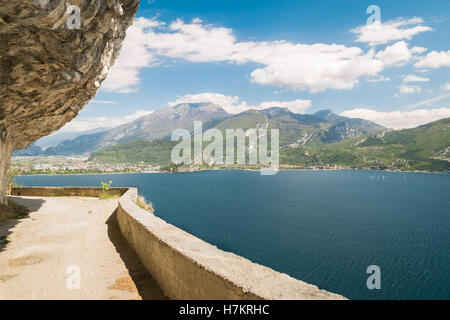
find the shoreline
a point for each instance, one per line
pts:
(227, 169)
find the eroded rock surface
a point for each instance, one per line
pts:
(52, 63)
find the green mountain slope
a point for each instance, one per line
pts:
(426, 148)
(154, 152)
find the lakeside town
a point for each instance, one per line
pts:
(74, 165)
(82, 165)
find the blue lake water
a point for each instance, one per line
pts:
(322, 227)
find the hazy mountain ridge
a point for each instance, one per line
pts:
(54, 139)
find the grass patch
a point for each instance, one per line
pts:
(105, 196)
(12, 211)
(141, 202)
(83, 195)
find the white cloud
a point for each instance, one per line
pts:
(404, 89)
(194, 42)
(296, 66)
(379, 79)
(418, 50)
(85, 124)
(381, 33)
(414, 78)
(234, 105)
(103, 102)
(435, 60)
(446, 86)
(399, 119)
(396, 53)
(426, 103)
(316, 67)
(123, 77)
(313, 67)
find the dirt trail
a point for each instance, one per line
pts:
(64, 237)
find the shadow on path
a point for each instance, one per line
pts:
(6, 227)
(147, 287)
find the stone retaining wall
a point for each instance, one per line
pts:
(66, 191)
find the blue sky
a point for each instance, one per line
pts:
(304, 55)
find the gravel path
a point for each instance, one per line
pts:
(70, 248)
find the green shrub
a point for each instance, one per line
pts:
(106, 186)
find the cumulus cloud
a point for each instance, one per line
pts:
(234, 105)
(414, 78)
(446, 86)
(316, 67)
(418, 50)
(399, 119)
(393, 30)
(435, 60)
(396, 53)
(296, 66)
(86, 124)
(123, 77)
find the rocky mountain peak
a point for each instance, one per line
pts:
(324, 113)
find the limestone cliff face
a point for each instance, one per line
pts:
(54, 54)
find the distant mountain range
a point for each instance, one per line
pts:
(425, 148)
(318, 139)
(323, 127)
(56, 138)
